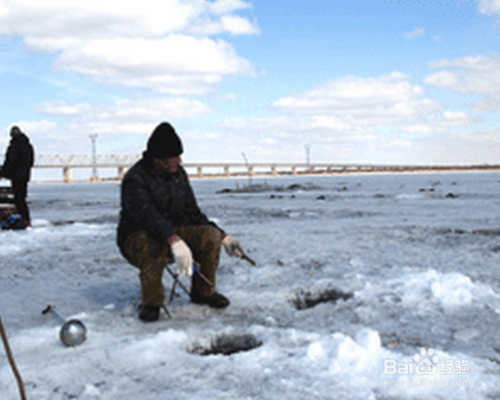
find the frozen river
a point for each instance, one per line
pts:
(362, 280)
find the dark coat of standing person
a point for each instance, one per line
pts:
(161, 223)
(17, 165)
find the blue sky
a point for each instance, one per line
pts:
(359, 81)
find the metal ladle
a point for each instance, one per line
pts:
(73, 332)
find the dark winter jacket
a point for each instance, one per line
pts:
(19, 159)
(156, 203)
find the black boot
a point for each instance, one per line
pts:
(149, 313)
(216, 300)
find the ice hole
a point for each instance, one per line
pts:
(228, 344)
(305, 299)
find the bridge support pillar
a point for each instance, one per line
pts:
(68, 174)
(227, 170)
(200, 172)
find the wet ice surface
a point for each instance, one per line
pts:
(353, 271)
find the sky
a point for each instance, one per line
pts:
(341, 81)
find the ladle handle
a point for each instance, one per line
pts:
(52, 309)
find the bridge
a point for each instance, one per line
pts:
(68, 162)
(121, 162)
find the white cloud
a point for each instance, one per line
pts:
(42, 133)
(62, 108)
(119, 114)
(489, 7)
(237, 25)
(353, 119)
(130, 120)
(221, 7)
(160, 45)
(470, 75)
(178, 64)
(367, 101)
(416, 33)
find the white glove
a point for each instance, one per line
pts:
(232, 246)
(183, 258)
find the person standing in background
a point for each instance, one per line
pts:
(19, 160)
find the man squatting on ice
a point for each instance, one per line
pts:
(17, 165)
(161, 223)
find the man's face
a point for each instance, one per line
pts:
(166, 166)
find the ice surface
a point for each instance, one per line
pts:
(417, 255)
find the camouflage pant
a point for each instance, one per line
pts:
(151, 258)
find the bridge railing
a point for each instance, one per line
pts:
(68, 162)
(84, 160)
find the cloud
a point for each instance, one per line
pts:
(364, 101)
(178, 64)
(416, 33)
(470, 75)
(42, 133)
(351, 119)
(130, 120)
(159, 45)
(151, 109)
(489, 7)
(222, 7)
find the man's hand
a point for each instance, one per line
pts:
(232, 247)
(182, 257)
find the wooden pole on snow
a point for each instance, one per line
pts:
(11, 361)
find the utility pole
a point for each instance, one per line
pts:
(94, 177)
(249, 169)
(308, 155)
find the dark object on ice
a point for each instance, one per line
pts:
(9, 218)
(63, 222)
(260, 188)
(229, 344)
(487, 232)
(14, 222)
(305, 299)
(451, 196)
(149, 313)
(216, 300)
(73, 332)
(322, 197)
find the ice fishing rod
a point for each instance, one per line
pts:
(244, 256)
(197, 270)
(201, 275)
(177, 281)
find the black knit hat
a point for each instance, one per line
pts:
(164, 142)
(15, 131)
